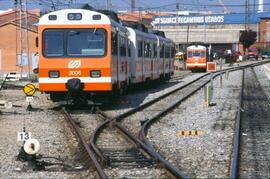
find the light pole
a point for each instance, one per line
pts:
(21, 50)
(187, 34)
(27, 39)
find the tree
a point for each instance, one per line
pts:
(247, 38)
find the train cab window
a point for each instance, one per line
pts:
(202, 54)
(114, 43)
(196, 54)
(90, 42)
(140, 45)
(53, 43)
(155, 50)
(123, 49)
(189, 54)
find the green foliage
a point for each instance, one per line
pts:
(247, 38)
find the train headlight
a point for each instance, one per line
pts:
(95, 73)
(54, 74)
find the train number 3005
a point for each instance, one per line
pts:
(74, 73)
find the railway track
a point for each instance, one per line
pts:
(129, 124)
(251, 147)
(116, 152)
(88, 153)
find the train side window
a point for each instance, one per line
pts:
(139, 48)
(155, 50)
(189, 54)
(172, 51)
(114, 43)
(123, 50)
(129, 48)
(167, 52)
(146, 49)
(161, 53)
(150, 50)
(53, 43)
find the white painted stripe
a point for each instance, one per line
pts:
(83, 80)
(195, 64)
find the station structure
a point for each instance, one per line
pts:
(219, 31)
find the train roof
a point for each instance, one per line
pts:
(199, 47)
(87, 17)
(134, 32)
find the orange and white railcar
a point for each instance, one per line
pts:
(83, 45)
(197, 57)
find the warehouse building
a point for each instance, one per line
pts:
(11, 38)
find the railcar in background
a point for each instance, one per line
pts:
(85, 52)
(197, 57)
(149, 59)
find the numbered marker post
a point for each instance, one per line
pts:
(23, 136)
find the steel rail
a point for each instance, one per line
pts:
(89, 151)
(139, 143)
(149, 150)
(235, 160)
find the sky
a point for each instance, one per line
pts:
(233, 6)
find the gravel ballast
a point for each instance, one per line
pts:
(206, 155)
(46, 126)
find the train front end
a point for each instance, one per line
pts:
(196, 57)
(74, 53)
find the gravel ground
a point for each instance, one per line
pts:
(263, 74)
(206, 155)
(140, 97)
(45, 126)
(50, 129)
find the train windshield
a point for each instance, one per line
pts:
(53, 43)
(79, 43)
(89, 42)
(189, 54)
(196, 54)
